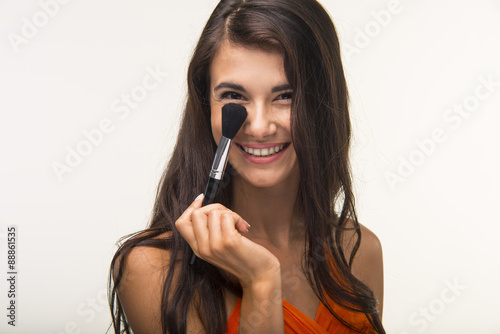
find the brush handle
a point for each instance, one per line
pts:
(210, 191)
(208, 198)
(216, 175)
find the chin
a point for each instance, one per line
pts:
(262, 179)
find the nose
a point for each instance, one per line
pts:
(259, 123)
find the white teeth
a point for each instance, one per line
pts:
(263, 152)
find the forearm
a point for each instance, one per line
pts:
(261, 307)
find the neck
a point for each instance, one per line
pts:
(275, 218)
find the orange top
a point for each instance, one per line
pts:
(298, 322)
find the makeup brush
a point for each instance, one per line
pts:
(233, 116)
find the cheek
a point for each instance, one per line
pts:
(284, 119)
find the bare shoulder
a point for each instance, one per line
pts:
(368, 262)
(140, 289)
(141, 259)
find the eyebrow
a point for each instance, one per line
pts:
(231, 86)
(281, 88)
(240, 88)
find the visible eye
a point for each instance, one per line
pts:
(285, 96)
(231, 96)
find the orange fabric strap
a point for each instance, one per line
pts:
(298, 323)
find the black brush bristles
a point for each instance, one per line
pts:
(233, 116)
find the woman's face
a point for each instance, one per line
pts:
(262, 152)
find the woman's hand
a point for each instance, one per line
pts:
(215, 234)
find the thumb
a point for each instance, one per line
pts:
(195, 205)
(197, 202)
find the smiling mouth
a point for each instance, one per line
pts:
(264, 152)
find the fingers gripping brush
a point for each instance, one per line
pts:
(233, 116)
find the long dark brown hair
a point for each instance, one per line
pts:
(304, 33)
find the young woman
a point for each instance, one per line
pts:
(301, 267)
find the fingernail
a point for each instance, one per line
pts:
(198, 197)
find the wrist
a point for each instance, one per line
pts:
(264, 281)
(262, 300)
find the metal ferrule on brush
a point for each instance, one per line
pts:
(220, 159)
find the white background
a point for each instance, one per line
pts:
(438, 222)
